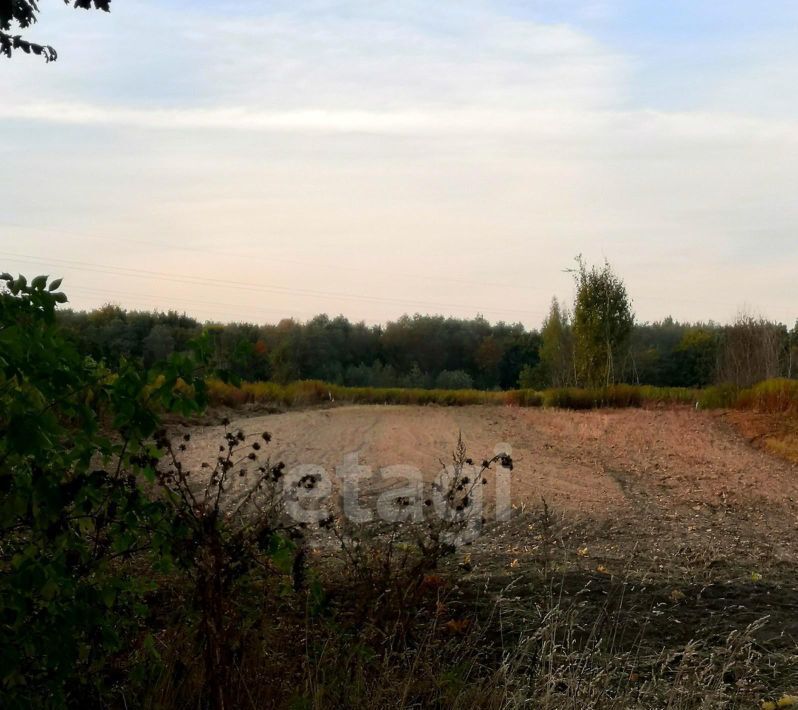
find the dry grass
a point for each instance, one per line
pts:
(778, 396)
(310, 392)
(774, 432)
(767, 415)
(314, 392)
(492, 642)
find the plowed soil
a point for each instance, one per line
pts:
(670, 508)
(605, 464)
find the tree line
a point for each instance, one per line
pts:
(594, 342)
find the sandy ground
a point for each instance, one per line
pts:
(601, 463)
(675, 478)
(673, 501)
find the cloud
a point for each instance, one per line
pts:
(306, 55)
(462, 136)
(643, 125)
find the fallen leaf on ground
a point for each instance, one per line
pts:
(458, 626)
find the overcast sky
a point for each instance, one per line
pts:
(259, 160)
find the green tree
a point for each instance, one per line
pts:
(454, 380)
(24, 13)
(73, 448)
(751, 349)
(532, 377)
(602, 324)
(694, 359)
(488, 358)
(283, 359)
(158, 345)
(520, 351)
(416, 378)
(556, 352)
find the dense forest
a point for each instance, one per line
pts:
(447, 353)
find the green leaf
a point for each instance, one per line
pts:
(39, 283)
(281, 552)
(54, 285)
(318, 596)
(149, 646)
(49, 590)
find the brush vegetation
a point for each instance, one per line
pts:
(772, 396)
(593, 343)
(132, 577)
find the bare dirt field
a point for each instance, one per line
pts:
(608, 464)
(666, 477)
(670, 511)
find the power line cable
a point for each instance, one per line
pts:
(269, 259)
(245, 286)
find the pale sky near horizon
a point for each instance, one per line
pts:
(255, 160)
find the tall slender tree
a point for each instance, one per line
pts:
(602, 324)
(556, 352)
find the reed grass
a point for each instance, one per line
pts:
(771, 396)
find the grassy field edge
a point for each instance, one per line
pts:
(770, 396)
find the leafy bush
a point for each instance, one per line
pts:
(73, 450)
(310, 392)
(779, 395)
(533, 377)
(669, 395)
(454, 380)
(97, 509)
(389, 564)
(570, 398)
(718, 397)
(230, 536)
(775, 396)
(523, 398)
(621, 396)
